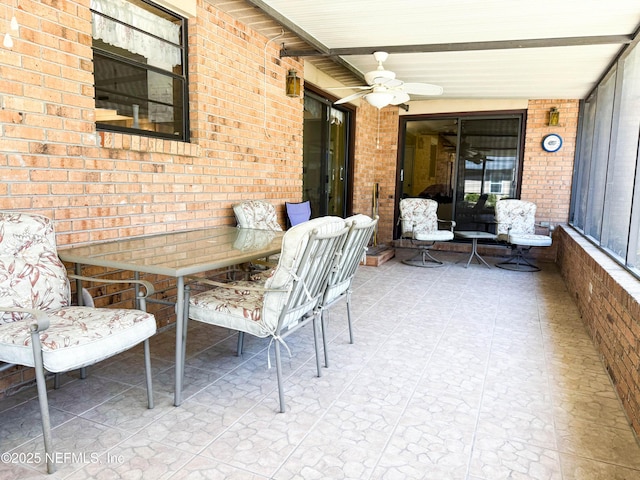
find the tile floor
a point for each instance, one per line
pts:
(456, 373)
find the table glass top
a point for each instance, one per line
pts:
(179, 253)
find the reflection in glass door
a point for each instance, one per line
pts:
(325, 156)
(486, 170)
(466, 164)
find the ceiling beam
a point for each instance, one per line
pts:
(464, 46)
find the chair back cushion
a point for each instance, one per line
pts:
(515, 217)
(31, 274)
(418, 215)
(298, 264)
(256, 214)
(361, 229)
(298, 212)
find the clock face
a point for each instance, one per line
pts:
(552, 142)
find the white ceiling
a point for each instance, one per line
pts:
(453, 32)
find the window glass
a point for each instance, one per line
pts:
(599, 157)
(140, 82)
(581, 185)
(622, 163)
(605, 197)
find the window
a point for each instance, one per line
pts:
(139, 56)
(605, 201)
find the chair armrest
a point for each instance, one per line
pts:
(149, 290)
(451, 222)
(547, 226)
(41, 318)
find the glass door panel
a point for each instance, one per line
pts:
(325, 157)
(487, 170)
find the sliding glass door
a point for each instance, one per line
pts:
(326, 153)
(465, 163)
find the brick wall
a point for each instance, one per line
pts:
(376, 162)
(246, 134)
(546, 177)
(608, 301)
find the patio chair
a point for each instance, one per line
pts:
(288, 299)
(38, 326)
(361, 229)
(256, 214)
(259, 215)
(516, 226)
(419, 222)
(297, 213)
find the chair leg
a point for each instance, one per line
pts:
(43, 401)
(279, 375)
(147, 368)
(426, 260)
(316, 344)
(349, 316)
(324, 329)
(240, 343)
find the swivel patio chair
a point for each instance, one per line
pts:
(361, 228)
(288, 299)
(38, 326)
(419, 222)
(516, 226)
(297, 212)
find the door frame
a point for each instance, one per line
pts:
(459, 116)
(329, 100)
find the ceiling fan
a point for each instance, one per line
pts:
(385, 89)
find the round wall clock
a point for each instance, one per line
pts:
(552, 142)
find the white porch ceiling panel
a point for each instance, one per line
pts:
(472, 48)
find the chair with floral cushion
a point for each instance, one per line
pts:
(354, 251)
(286, 300)
(256, 214)
(38, 326)
(516, 226)
(420, 224)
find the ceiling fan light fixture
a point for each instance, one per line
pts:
(379, 99)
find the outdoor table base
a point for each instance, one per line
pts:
(474, 236)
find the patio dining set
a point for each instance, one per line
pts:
(308, 268)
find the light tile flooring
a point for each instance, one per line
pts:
(456, 373)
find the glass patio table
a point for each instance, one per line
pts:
(178, 254)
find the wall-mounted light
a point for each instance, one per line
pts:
(293, 84)
(554, 117)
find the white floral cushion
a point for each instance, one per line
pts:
(256, 214)
(77, 336)
(516, 221)
(254, 311)
(515, 216)
(529, 239)
(419, 218)
(31, 274)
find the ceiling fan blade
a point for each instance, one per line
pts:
(351, 97)
(400, 97)
(356, 87)
(422, 89)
